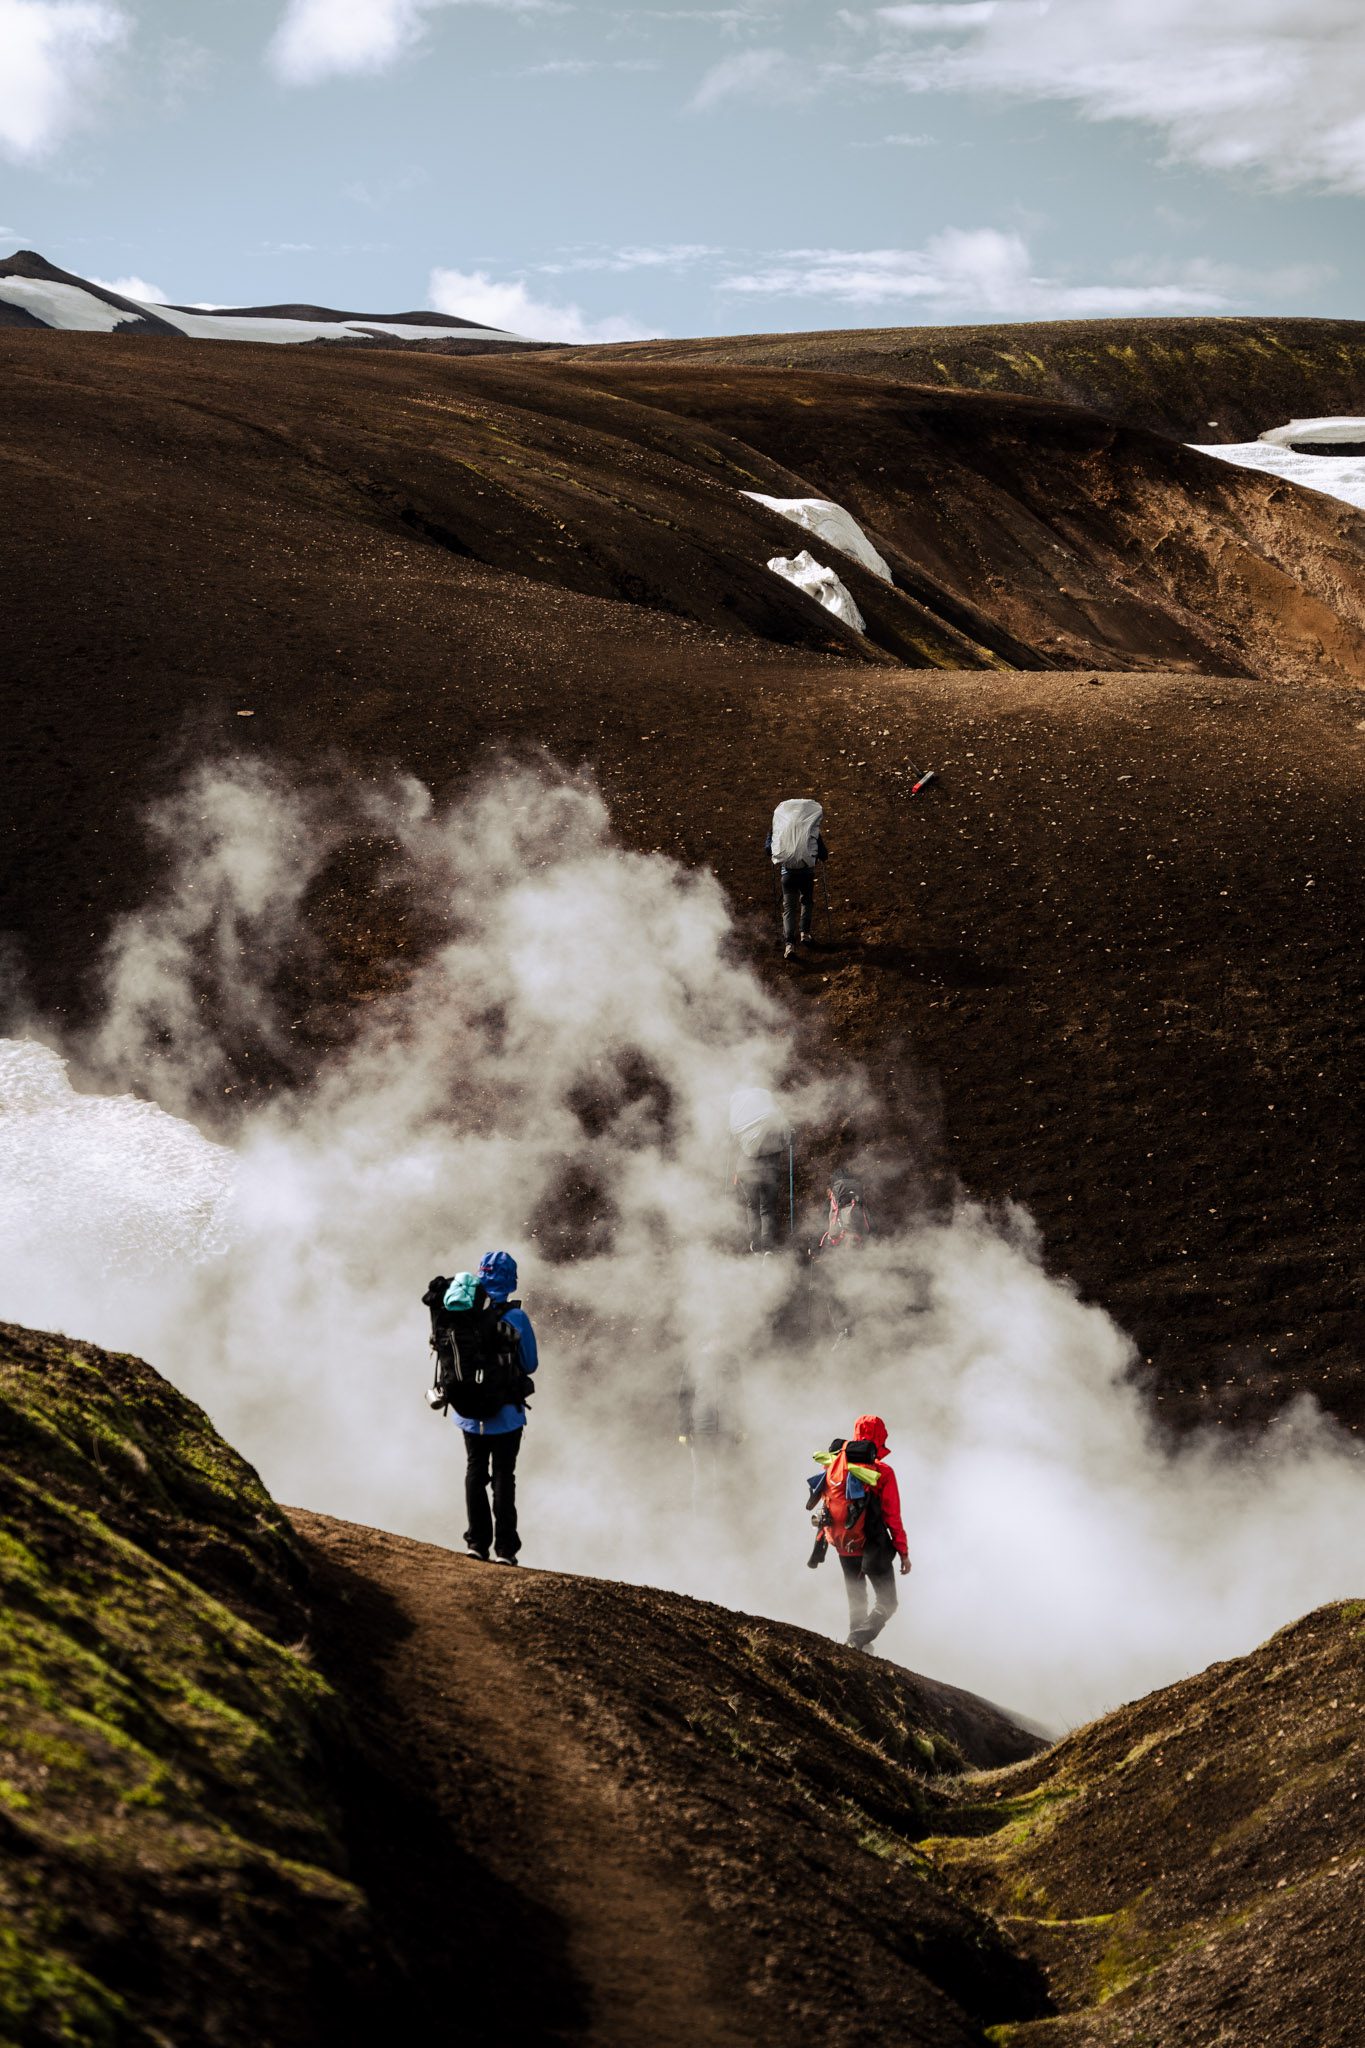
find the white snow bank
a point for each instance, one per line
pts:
(820, 583)
(103, 1177)
(830, 523)
(1341, 476)
(70, 307)
(230, 327)
(1317, 433)
(63, 305)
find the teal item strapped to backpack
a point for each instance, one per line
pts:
(461, 1291)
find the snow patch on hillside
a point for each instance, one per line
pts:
(63, 305)
(820, 583)
(71, 307)
(830, 523)
(1324, 433)
(1341, 476)
(261, 327)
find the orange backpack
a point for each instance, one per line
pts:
(849, 1516)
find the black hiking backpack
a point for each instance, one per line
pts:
(477, 1354)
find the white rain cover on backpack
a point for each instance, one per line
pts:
(796, 832)
(757, 1123)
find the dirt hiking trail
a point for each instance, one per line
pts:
(492, 1754)
(596, 1813)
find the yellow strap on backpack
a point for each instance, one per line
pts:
(869, 1474)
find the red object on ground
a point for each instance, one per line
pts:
(929, 777)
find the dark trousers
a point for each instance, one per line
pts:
(497, 1530)
(798, 902)
(761, 1194)
(877, 1570)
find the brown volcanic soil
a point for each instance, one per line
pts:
(1109, 967)
(1192, 1868)
(1197, 379)
(296, 1781)
(718, 1830)
(674, 1824)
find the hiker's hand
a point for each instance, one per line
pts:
(905, 1566)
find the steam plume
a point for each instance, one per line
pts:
(556, 1077)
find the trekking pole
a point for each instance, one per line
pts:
(777, 905)
(829, 907)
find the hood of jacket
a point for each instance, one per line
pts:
(498, 1275)
(870, 1429)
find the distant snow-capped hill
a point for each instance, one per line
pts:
(35, 293)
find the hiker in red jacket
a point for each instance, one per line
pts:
(860, 1520)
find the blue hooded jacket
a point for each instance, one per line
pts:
(498, 1278)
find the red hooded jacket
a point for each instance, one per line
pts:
(871, 1429)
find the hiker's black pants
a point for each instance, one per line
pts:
(761, 1194)
(798, 903)
(496, 1455)
(879, 1572)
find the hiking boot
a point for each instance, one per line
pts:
(504, 1560)
(788, 952)
(481, 1555)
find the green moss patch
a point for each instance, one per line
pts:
(164, 1811)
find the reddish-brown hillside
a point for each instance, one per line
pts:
(1110, 966)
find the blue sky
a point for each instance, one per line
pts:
(585, 171)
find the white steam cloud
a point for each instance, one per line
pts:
(555, 1079)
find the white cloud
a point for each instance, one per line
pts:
(474, 295)
(53, 55)
(133, 288)
(767, 74)
(731, 21)
(964, 15)
(982, 272)
(1275, 87)
(578, 67)
(675, 256)
(319, 39)
(184, 67)
(894, 142)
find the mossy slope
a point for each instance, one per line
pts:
(1192, 1868)
(172, 1868)
(1198, 379)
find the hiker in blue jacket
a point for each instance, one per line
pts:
(491, 1447)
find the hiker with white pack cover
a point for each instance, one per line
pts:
(762, 1168)
(486, 1354)
(795, 846)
